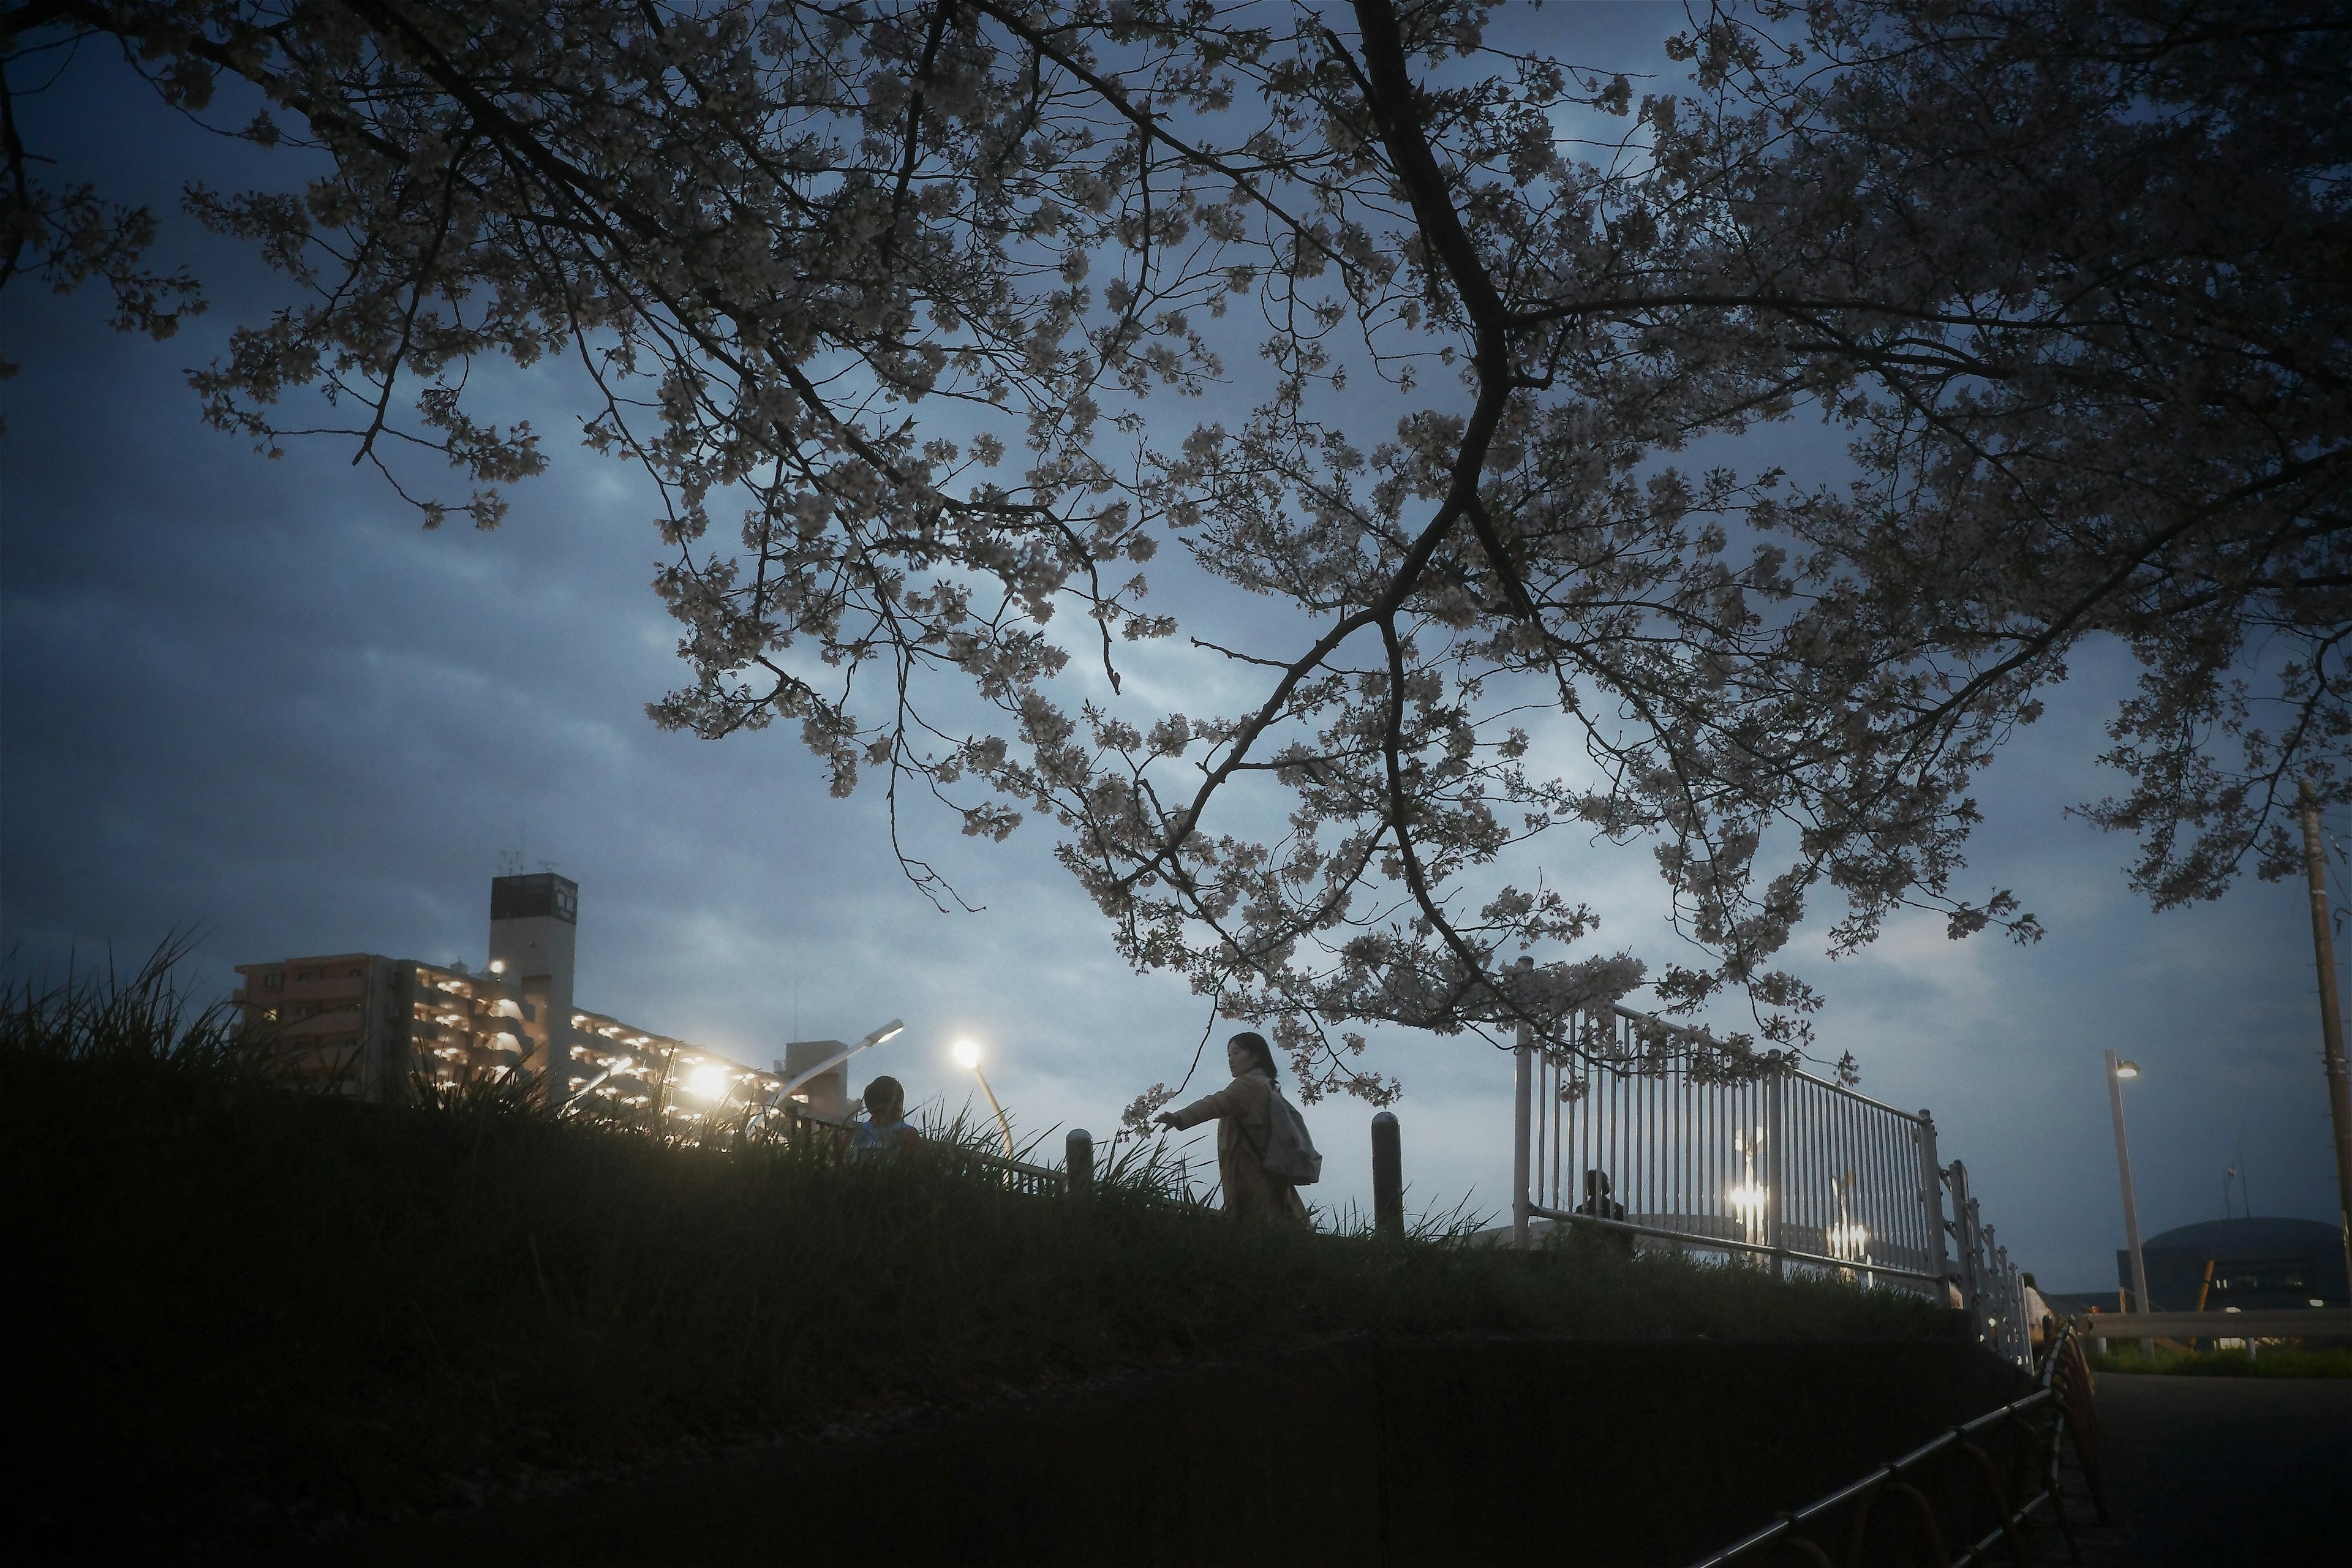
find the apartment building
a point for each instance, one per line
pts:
(339, 1018)
(370, 1027)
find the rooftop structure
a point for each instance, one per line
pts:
(374, 1028)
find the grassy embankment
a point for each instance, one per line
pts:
(2274, 1360)
(248, 1300)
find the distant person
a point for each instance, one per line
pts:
(884, 1129)
(1599, 1204)
(1243, 1130)
(1597, 1201)
(2039, 1321)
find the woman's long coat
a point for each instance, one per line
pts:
(1243, 1131)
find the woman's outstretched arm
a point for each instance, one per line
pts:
(1226, 1101)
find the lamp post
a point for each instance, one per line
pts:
(967, 1055)
(2117, 1072)
(1523, 1113)
(2331, 1016)
(888, 1031)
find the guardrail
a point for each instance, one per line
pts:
(2278, 1323)
(1948, 1487)
(1647, 1129)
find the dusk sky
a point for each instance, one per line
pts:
(254, 699)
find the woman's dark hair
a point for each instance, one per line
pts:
(883, 1093)
(1255, 1044)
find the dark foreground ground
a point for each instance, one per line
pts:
(1367, 1453)
(2201, 1472)
(2212, 1472)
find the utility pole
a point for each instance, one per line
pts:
(2331, 1016)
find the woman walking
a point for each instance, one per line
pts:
(1243, 1128)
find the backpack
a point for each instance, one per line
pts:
(1290, 1154)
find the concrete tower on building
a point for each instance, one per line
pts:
(534, 928)
(826, 1094)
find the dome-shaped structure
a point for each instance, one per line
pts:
(2266, 1261)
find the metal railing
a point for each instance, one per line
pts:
(1989, 1286)
(1648, 1130)
(1076, 1178)
(1976, 1487)
(1012, 1175)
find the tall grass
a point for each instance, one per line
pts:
(104, 1020)
(249, 1301)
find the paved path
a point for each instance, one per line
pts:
(2211, 1472)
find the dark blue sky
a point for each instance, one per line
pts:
(255, 698)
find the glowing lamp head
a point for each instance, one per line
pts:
(2128, 1070)
(708, 1081)
(497, 967)
(967, 1055)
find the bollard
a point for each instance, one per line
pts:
(1079, 1161)
(1387, 1178)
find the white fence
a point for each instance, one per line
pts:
(1647, 1129)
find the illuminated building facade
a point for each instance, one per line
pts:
(363, 1025)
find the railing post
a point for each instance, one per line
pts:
(1964, 1267)
(1387, 1178)
(1523, 1116)
(1078, 1162)
(1979, 1258)
(1996, 1307)
(2020, 1329)
(1931, 1200)
(1776, 1123)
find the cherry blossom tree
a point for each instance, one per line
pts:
(936, 321)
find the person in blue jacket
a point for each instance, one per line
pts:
(885, 1129)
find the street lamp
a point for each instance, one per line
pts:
(967, 1056)
(888, 1031)
(2117, 1072)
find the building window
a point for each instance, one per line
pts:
(307, 975)
(357, 973)
(271, 981)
